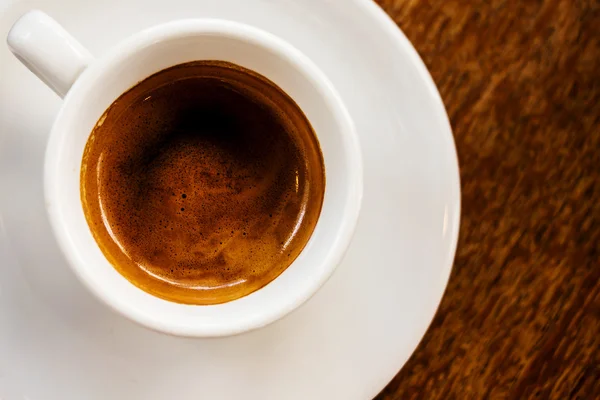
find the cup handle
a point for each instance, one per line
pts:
(48, 50)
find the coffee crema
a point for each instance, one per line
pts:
(202, 183)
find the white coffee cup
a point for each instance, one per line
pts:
(90, 85)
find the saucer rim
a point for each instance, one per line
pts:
(395, 31)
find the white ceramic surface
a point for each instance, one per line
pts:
(58, 343)
(48, 50)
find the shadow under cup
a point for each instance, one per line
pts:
(154, 50)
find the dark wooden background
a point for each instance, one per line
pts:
(521, 316)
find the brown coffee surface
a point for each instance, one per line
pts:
(202, 183)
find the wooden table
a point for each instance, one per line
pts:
(521, 316)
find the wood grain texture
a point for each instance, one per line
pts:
(521, 316)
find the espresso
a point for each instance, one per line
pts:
(202, 183)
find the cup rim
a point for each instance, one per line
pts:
(202, 27)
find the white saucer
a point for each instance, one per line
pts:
(58, 343)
